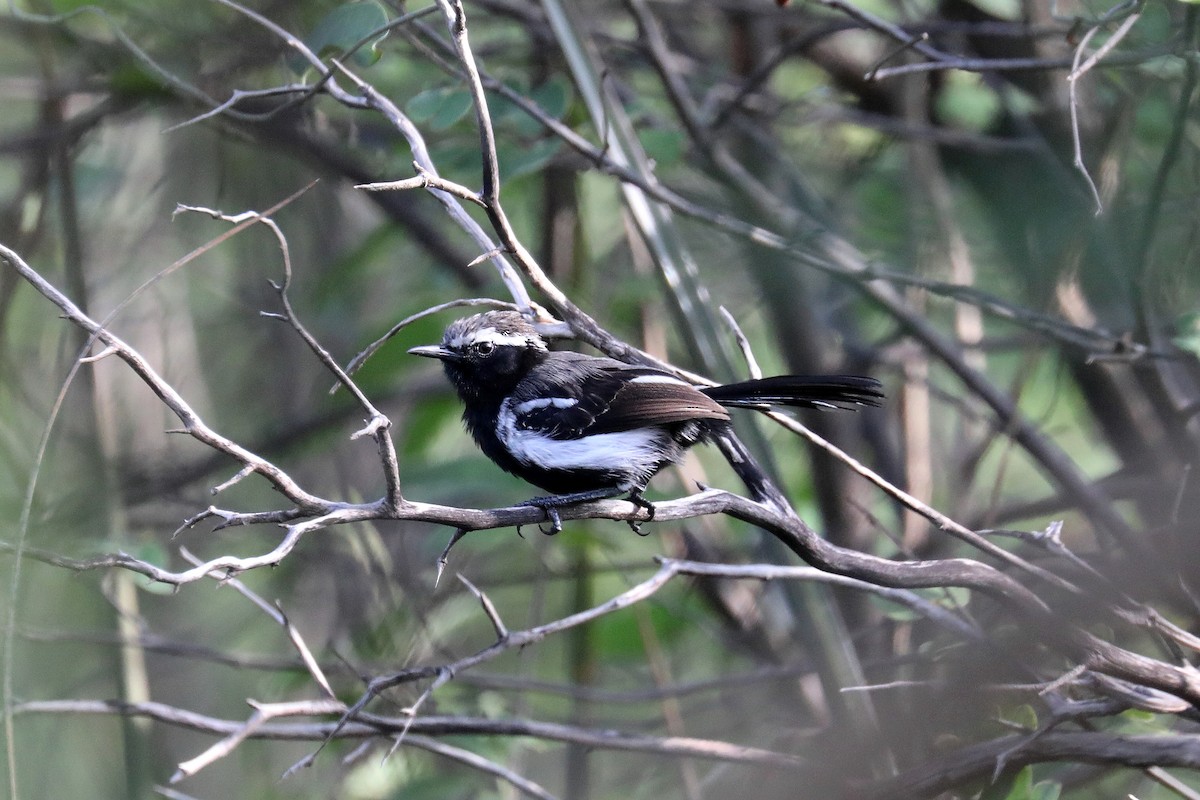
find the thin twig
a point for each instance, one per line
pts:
(939, 519)
(263, 714)
(356, 363)
(1079, 68)
(373, 725)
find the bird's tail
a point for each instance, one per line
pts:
(821, 391)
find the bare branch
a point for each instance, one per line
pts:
(489, 608)
(370, 350)
(276, 613)
(263, 713)
(373, 725)
(372, 98)
(978, 760)
(939, 519)
(192, 422)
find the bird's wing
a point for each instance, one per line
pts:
(656, 400)
(572, 395)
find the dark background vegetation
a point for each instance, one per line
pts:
(885, 188)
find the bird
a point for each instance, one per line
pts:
(586, 427)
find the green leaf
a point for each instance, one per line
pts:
(440, 108)
(493, 705)
(953, 597)
(1010, 786)
(893, 611)
(616, 637)
(421, 107)
(454, 107)
(1024, 715)
(154, 553)
(518, 161)
(967, 101)
(554, 96)
(343, 28)
(132, 81)
(1046, 790)
(1188, 336)
(664, 146)
(67, 6)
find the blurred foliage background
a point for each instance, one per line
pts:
(932, 229)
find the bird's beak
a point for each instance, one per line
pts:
(436, 351)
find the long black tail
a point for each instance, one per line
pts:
(819, 391)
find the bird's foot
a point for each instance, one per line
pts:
(549, 505)
(640, 501)
(554, 519)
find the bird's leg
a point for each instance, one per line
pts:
(551, 503)
(636, 497)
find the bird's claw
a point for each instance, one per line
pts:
(552, 517)
(550, 505)
(641, 502)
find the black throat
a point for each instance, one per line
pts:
(483, 387)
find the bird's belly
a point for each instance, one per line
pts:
(620, 458)
(621, 451)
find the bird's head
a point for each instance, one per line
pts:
(486, 354)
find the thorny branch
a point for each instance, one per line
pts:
(315, 513)
(1130, 679)
(836, 256)
(371, 725)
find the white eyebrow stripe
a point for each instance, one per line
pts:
(495, 337)
(544, 402)
(670, 379)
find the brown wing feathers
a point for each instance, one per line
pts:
(641, 404)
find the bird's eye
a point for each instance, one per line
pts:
(485, 348)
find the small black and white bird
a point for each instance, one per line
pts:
(589, 428)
